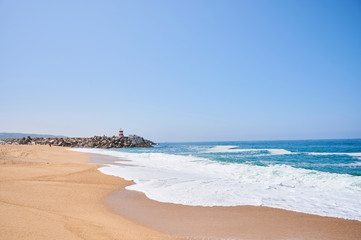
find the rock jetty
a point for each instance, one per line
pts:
(91, 142)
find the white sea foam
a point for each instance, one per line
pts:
(201, 182)
(353, 164)
(234, 149)
(326, 153)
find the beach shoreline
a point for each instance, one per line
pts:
(240, 222)
(65, 197)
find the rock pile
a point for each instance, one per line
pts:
(91, 142)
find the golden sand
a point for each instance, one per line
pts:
(51, 193)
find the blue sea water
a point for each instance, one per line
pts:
(320, 177)
(334, 156)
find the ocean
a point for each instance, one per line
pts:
(321, 177)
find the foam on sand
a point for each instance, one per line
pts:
(198, 181)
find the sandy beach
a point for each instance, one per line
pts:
(53, 193)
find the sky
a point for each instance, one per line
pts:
(175, 71)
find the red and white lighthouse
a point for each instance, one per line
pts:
(121, 133)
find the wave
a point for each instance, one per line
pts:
(353, 164)
(234, 149)
(357, 154)
(199, 181)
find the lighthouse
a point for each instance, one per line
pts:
(121, 133)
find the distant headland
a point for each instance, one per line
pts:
(7, 135)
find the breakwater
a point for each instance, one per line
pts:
(85, 142)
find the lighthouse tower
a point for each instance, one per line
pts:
(121, 133)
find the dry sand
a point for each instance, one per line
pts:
(52, 193)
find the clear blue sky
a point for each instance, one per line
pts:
(182, 70)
